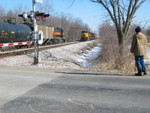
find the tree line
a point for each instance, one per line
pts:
(72, 26)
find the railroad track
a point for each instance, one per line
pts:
(31, 50)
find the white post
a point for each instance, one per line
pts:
(36, 49)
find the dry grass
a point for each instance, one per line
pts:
(110, 58)
(121, 64)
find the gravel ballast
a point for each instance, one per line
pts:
(61, 58)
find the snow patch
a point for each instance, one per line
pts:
(85, 60)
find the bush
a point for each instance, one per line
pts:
(110, 58)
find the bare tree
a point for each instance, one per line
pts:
(2, 13)
(121, 13)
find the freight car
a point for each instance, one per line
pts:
(85, 36)
(14, 34)
(19, 35)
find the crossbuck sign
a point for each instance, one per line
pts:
(39, 1)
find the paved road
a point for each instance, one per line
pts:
(45, 92)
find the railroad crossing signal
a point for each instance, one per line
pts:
(33, 16)
(37, 15)
(27, 16)
(41, 15)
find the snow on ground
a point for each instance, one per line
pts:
(66, 57)
(85, 60)
(147, 60)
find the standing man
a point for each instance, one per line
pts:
(138, 48)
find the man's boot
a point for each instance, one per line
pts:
(138, 74)
(144, 73)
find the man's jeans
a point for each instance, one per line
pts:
(139, 60)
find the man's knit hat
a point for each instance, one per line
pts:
(138, 29)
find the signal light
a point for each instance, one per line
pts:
(43, 18)
(27, 15)
(24, 15)
(30, 15)
(37, 18)
(41, 15)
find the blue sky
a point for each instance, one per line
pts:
(89, 12)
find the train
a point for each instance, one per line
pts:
(20, 35)
(86, 35)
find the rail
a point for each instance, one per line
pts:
(31, 50)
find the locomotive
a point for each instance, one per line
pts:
(85, 36)
(51, 35)
(19, 35)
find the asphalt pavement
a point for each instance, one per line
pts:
(28, 91)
